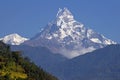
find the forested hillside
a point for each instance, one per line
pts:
(14, 67)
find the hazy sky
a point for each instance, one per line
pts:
(25, 17)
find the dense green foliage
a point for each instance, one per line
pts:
(14, 67)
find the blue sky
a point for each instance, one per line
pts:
(26, 17)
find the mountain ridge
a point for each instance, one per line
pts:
(101, 64)
(68, 37)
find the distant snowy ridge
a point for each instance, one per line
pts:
(69, 37)
(13, 39)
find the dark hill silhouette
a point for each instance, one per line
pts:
(102, 64)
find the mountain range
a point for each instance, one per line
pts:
(101, 64)
(67, 37)
(70, 51)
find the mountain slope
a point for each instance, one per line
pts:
(13, 39)
(40, 56)
(14, 67)
(69, 37)
(102, 64)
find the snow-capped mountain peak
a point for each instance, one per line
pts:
(13, 39)
(64, 16)
(64, 13)
(69, 37)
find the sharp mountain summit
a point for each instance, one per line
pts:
(65, 36)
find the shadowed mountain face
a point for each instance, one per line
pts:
(41, 56)
(102, 64)
(68, 37)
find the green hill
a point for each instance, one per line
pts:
(14, 67)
